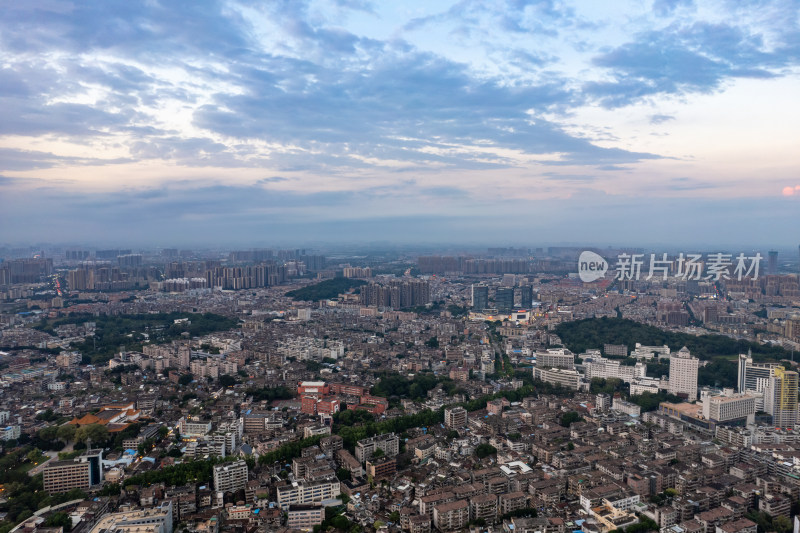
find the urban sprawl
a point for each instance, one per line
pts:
(187, 391)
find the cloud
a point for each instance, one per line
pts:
(20, 160)
(337, 112)
(667, 7)
(683, 58)
(791, 191)
(688, 184)
(541, 17)
(6, 181)
(573, 178)
(401, 106)
(660, 119)
(612, 167)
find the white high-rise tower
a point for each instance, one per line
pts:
(683, 374)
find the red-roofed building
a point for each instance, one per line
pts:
(348, 390)
(374, 404)
(312, 405)
(313, 388)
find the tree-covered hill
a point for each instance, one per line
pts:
(325, 290)
(131, 331)
(582, 335)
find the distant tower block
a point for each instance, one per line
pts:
(772, 262)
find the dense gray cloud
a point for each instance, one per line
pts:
(686, 58)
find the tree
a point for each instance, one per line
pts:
(66, 433)
(47, 415)
(185, 379)
(110, 489)
(145, 447)
(781, 524)
(761, 519)
(485, 450)
(174, 452)
(49, 433)
(59, 520)
(226, 380)
(569, 418)
(94, 432)
(34, 455)
(378, 453)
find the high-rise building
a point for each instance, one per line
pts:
(728, 407)
(451, 516)
(683, 374)
(753, 377)
(526, 296)
(480, 297)
(304, 516)
(77, 280)
(27, 270)
(305, 492)
(82, 472)
(397, 294)
(603, 402)
(792, 330)
(780, 398)
(455, 417)
(95, 459)
(63, 476)
(230, 477)
(76, 255)
(130, 260)
(389, 443)
(772, 262)
(504, 299)
(555, 358)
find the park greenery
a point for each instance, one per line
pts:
(288, 451)
(582, 335)
(394, 386)
(270, 394)
(130, 332)
(179, 474)
(25, 494)
(458, 310)
(644, 525)
(646, 401)
(718, 350)
(325, 290)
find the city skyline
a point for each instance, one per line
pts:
(460, 122)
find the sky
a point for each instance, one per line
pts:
(499, 121)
